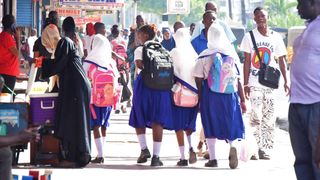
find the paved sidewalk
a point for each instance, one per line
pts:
(122, 150)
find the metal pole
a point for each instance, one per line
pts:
(243, 13)
(135, 7)
(230, 9)
(123, 16)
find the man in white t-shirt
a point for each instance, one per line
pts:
(270, 47)
(31, 40)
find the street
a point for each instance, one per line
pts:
(122, 150)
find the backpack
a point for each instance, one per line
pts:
(120, 49)
(223, 74)
(103, 87)
(184, 95)
(157, 70)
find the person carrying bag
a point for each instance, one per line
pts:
(268, 76)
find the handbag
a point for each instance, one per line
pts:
(183, 96)
(268, 76)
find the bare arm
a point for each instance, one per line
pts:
(246, 73)
(114, 54)
(199, 86)
(242, 98)
(284, 73)
(139, 64)
(23, 137)
(36, 54)
(14, 51)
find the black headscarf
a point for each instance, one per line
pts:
(69, 28)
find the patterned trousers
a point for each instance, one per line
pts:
(262, 116)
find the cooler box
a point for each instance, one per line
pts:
(42, 107)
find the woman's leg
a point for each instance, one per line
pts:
(103, 130)
(211, 142)
(157, 132)
(192, 154)
(145, 153)
(180, 140)
(99, 145)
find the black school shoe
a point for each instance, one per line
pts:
(192, 156)
(144, 155)
(98, 160)
(211, 163)
(233, 158)
(263, 155)
(182, 162)
(155, 161)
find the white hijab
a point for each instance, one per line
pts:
(184, 56)
(101, 54)
(218, 42)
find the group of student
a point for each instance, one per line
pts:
(204, 70)
(209, 66)
(170, 87)
(220, 112)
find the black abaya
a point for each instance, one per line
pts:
(72, 123)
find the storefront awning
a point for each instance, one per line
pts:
(92, 2)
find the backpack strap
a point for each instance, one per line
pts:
(88, 61)
(255, 46)
(206, 55)
(185, 84)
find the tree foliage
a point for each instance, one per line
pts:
(282, 13)
(160, 7)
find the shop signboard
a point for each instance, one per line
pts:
(68, 12)
(91, 2)
(87, 19)
(178, 6)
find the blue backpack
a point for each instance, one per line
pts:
(223, 74)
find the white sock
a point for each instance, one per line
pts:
(189, 141)
(103, 140)
(142, 141)
(181, 148)
(232, 143)
(99, 146)
(211, 142)
(156, 148)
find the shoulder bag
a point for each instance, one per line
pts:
(268, 76)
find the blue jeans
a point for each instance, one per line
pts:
(304, 124)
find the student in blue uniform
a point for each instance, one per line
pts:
(184, 116)
(100, 54)
(151, 108)
(219, 101)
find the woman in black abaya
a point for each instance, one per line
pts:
(72, 123)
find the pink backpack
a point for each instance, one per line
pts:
(184, 96)
(103, 87)
(121, 50)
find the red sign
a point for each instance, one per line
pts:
(87, 19)
(68, 12)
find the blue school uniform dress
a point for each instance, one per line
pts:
(103, 116)
(220, 112)
(150, 105)
(184, 118)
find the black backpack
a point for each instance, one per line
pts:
(157, 70)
